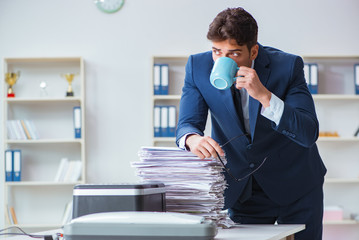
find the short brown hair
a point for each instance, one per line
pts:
(234, 23)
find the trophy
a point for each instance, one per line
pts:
(10, 79)
(69, 77)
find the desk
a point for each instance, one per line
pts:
(240, 232)
(259, 232)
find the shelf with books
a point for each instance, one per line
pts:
(337, 107)
(49, 94)
(167, 80)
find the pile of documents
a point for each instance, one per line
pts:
(193, 185)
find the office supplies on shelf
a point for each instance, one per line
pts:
(193, 185)
(157, 79)
(164, 79)
(77, 121)
(21, 130)
(157, 121)
(333, 213)
(311, 76)
(9, 166)
(16, 165)
(13, 165)
(68, 171)
(13, 216)
(164, 120)
(140, 226)
(160, 79)
(91, 198)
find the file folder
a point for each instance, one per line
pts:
(356, 78)
(8, 166)
(314, 78)
(157, 121)
(17, 165)
(156, 79)
(164, 79)
(77, 122)
(306, 74)
(171, 121)
(164, 121)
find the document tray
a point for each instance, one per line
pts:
(140, 226)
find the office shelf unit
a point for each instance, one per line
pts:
(176, 74)
(38, 200)
(337, 109)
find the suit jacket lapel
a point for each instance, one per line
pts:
(260, 65)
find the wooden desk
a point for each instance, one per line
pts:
(240, 232)
(259, 232)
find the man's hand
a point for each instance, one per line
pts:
(203, 147)
(249, 80)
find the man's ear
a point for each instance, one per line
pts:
(254, 52)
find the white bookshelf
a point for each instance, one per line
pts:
(39, 202)
(337, 108)
(176, 67)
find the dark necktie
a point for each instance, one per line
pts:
(247, 191)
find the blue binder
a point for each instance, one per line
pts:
(171, 121)
(164, 79)
(157, 121)
(164, 121)
(9, 166)
(16, 165)
(356, 78)
(311, 77)
(156, 79)
(77, 122)
(314, 78)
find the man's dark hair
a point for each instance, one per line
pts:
(234, 23)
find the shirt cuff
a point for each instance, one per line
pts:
(182, 141)
(275, 110)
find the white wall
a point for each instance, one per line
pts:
(117, 49)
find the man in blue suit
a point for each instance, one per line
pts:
(274, 171)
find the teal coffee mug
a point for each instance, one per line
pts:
(223, 73)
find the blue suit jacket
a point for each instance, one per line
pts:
(293, 166)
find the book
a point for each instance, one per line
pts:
(27, 132)
(13, 215)
(61, 170)
(68, 171)
(67, 216)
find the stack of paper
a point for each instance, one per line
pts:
(193, 185)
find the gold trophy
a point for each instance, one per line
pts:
(10, 79)
(69, 77)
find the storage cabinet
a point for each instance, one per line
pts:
(38, 199)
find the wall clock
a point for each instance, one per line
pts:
(109, 6)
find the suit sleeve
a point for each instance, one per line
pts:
(299, 121)
(193, 109)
